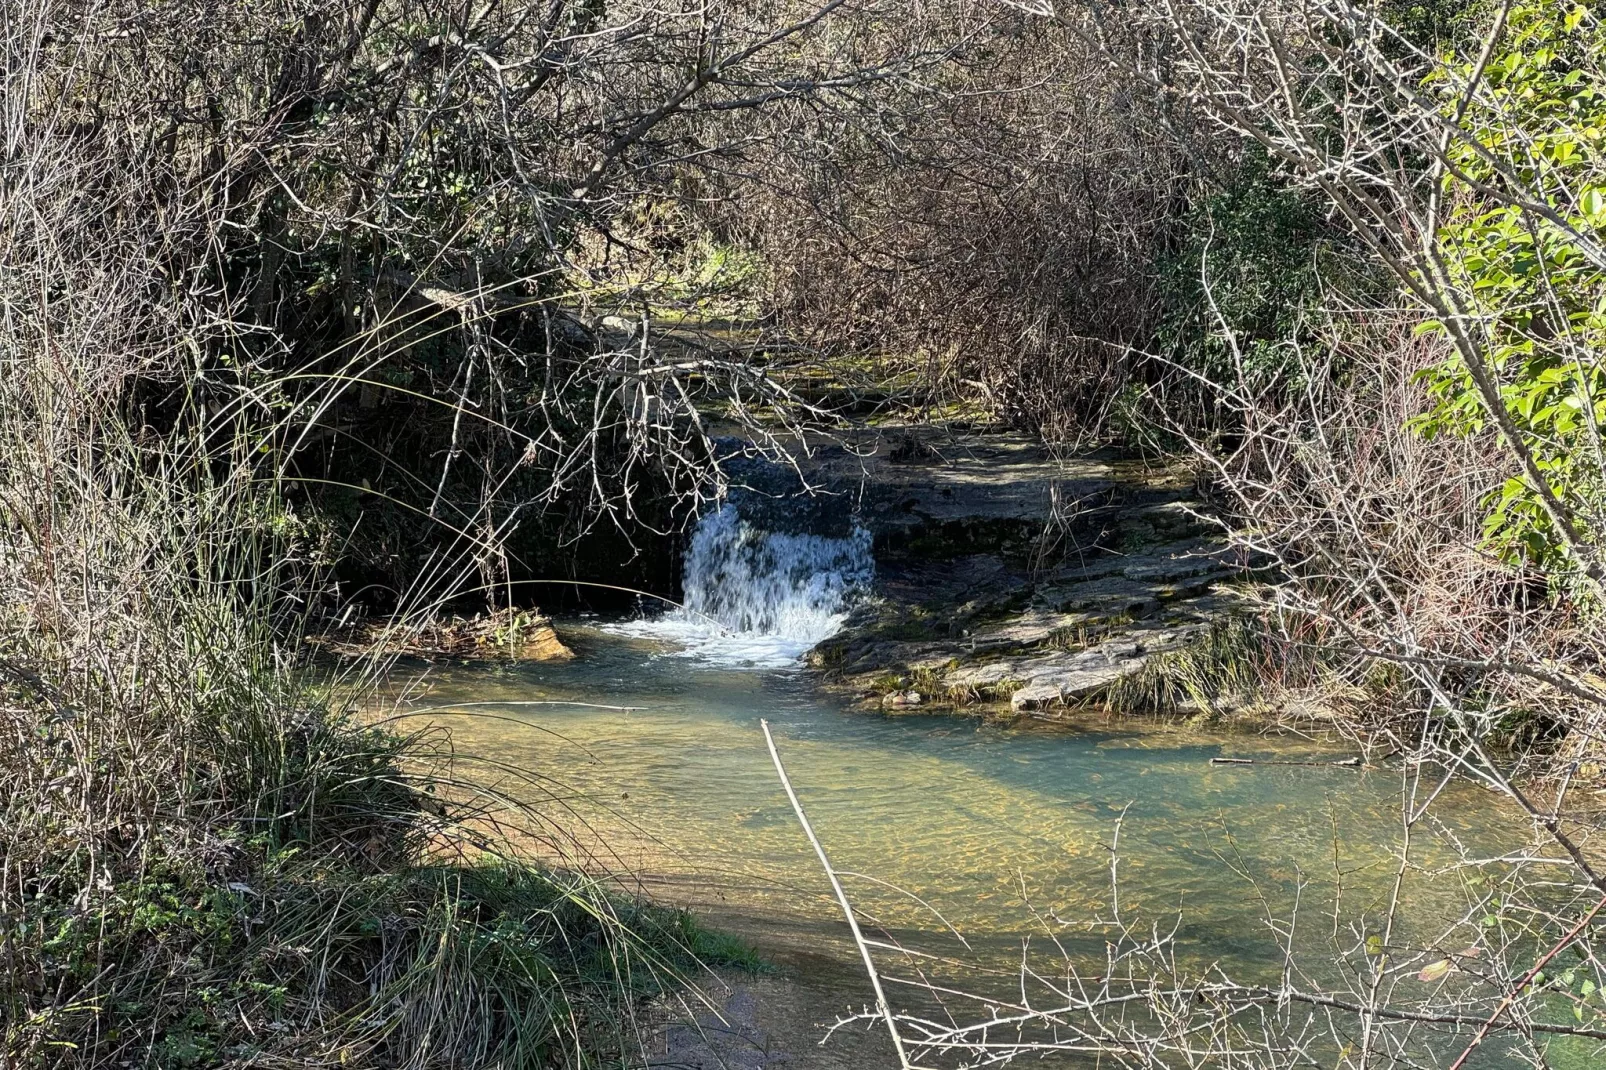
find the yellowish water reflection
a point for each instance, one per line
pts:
(995, 828)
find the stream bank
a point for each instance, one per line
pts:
(917, 567)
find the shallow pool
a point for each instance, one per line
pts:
(967, 841)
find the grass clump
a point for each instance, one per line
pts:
(206, 864)
(1233, 663)
(206, 857)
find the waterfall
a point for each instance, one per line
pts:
(760, 598)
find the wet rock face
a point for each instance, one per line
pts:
(1005, 573)
(542, 644)
(775, 497)
(1045, 681)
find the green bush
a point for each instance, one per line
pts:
(1243, 282)
(1526, 271)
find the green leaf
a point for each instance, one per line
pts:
(1435, 971)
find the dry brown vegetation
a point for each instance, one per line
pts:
(1415, 469)
(994, 226)
(301, 301)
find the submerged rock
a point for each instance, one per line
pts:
(729, 1038)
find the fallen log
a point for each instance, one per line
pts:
(1347, 763)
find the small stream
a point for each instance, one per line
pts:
(1006, 831)
(987, 824)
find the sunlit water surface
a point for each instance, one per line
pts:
(1006, 831)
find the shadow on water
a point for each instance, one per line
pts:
(1004, 830)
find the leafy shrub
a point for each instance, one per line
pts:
(1529, 270)
(1246, 276)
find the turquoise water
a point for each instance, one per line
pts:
(1004, 831)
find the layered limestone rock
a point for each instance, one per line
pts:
(1003, 572)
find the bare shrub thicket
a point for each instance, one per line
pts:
(1449, 562)
(375, 209)
(988, 231)
(1394, 524)
(1453, 168)
(1384, 574)
(202, 861)
(242, 242)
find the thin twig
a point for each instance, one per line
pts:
(1527, 979)
(842, 899)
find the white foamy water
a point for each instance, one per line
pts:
(759, 598)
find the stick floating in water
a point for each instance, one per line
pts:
(1347, 763)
